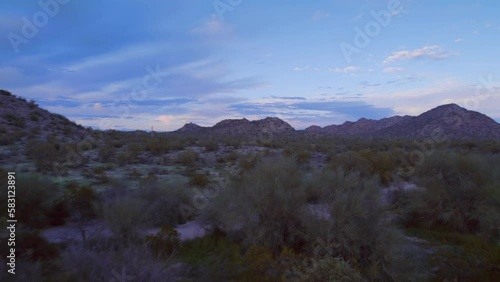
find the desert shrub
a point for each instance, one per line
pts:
(134, 174)
(350, 161)
(302, 157)
(157, 145)
(215, 258)
(355, 228)
(125, 216)
(82, 200)
(15, 120)
(112, 263)
(5, 92)
(8, 139)
(462, 257)
(233, 156)
(248, 161)
(36, 197)
(198, 179)
(165, 244)
(134, 149)
(188, 157)
(59, 213)
(461, 194)
(44, 153)
(32, 246)
(163, 203)
(211, 146)
(32, 104)
(262, 207)
(124, 158)
(33, 116)
(328, 269)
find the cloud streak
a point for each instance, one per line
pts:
(434, 52)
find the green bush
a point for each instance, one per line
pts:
(165, 244)
(125, 216)
(188, 157)
(157, 145)
(36, 200)
(460, 194)
(355, 227)
(44, 153)
(263, 206)
(198, 179)
(163, 202)
(111, 262)
(82, 200)
(211, 146)
(248, 161)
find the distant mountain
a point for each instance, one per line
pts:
(448, 120)
(193, 128)
(241, 127)
(361, 127)
(21, 120)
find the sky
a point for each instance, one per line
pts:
(134, 64)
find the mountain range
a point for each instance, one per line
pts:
(448, 120)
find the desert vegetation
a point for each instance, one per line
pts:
(318, 210)
(186, 207)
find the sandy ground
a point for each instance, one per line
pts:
(70, 233)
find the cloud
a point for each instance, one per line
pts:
(346, 69)
(393, 69)
(319, 15)
(288, 98)
(459, 40)
(213, 26)
(306, 68)
(434, 52)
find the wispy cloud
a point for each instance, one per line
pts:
(347, 69)
(393, 69)
(306, 68)
(319, 15)
(213, 26)
(434, 52)
(459, 40)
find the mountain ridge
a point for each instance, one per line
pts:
(450, 120)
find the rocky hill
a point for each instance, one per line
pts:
(241, 127)
(448, 120)
(361, 127)
(21, 119)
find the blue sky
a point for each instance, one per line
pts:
(137, 64)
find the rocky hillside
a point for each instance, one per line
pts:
(361, 127)
(449, 120)
(242, 127)
(21, 119)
